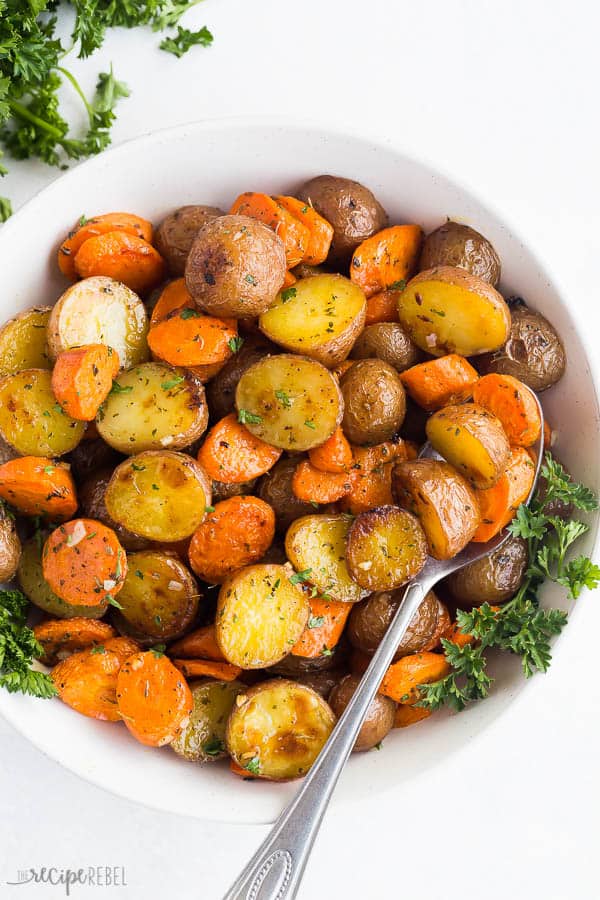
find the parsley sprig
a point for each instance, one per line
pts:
(18, 648)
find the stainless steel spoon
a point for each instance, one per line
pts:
(276, 869)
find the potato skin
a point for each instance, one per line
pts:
(92, 506)
(175, 234)
(292, 666)
(220, 391)
(379, 720)
(10, 546)
(221, 490)
(374, 402)
(457, 245)
(446, 429)
(493, 579)
(322, 682)
(275, 488)
(235, 267)
(370, 619)
(533, 353)
(91, 456)
(389, 342)
(349, 207)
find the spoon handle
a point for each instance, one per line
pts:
(275, 870)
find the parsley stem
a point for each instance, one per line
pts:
(21, 111)
(78, 90)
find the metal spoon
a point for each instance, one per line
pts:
(276, 869)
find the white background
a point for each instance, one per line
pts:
(504, 95)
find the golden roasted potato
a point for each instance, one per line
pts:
(379, 720)
(176, 233)
(492, 579)
(220, 391)
(322, 681)
(23, 343)
(10, 546)
(222, 490)
(370, 619)
(275, 488)
(320, 317)
(90, 457)
(457, 245)
(92, 506)
(203, 738)
(447, 310)
(374, 402)
(31, 580)
(472, 440)
(389, 342)
(386, 547)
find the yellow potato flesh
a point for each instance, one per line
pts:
(386, 548)
(31, 420)
(23, 342)
(316, 546)
(472, 440)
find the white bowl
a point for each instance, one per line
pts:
(212, 162)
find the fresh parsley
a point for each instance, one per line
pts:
(213, 747)
(185, 39)
(253, 765)
(288, 294)
(315, 621)
(248, 418)
(283, 398)
(120, 388)
(235, 344)
(300, 577)
(18, 649)
(172, 382)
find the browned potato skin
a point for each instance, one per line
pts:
(322, 682)
(389, 342)
(275, 488)
(303, 270)
(370, 619)
(349, 207)
(91, 456)
(92, 506)
(235, 267)
(6, 452)
(415, 421)
(222, 491)
(10, 546)
(485, 427)
(379, 720)
(292, 666)
(453, 244)
(220, 391)
(374, 402)
(492, 579)
(175, 234)
(275, 555)
(533, 353)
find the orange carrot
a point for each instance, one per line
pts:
(189, 338)
(153, 698)
(174, 296)
(455, 636)
(85, 229)
(59, 638)
(124, 647)
(386, 258)
(410, 715)
(401, 680)
(239, 770)
(439, 382)
(314, 486)
(382, 307)
(84, 563)
(293, 233)
(371, 475)
(513, 403)
(548, 435)
(87, 682)
(82, 379)
(123, 257)
(206, 668)
(288, 280)
(498, 504)
(198, 644)
(320, 231)
(230, 453)
(324, 628)
(335, 455)
(238, 533)
(38, 486)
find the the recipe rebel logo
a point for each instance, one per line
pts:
(90, 876)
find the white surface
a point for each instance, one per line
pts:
(519, 812)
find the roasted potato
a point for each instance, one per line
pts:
(322, 682)
(320, 317)
(35, 587)
(223, 491)
(459, 246)
(379, 720)
(153, 406)
(99, 310)
(415, 422)
(23, 343)
(203, 738)
(472, 440)
(10, 546)
(446, 310)
(31, 421)
(260, 615)
(370, 619)
(289, 401)
(493, 579)
(386, 547)
(89, 457)
(293, 666)
(374, 402)
(389, 342)
(92, 506)
(277, 729)
(220, 392)
(175, 234)
(303, 270)
(349, 207)
(533, 351)
(275, 488)
(160, 495)
(442, 500)
(235, 267)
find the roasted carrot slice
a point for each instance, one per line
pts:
(314, 486)
(82, 379)
(38, 486)
(293, 233)
(198, 644)
(513, 403)
(324, 628)
(88, 228)
(124, 647)
(206, 668)
(335, 455)
(320, 231)
(59, 638)
(230, 453)
(121, 256)
(371, 475)
(289, 280)
(84, 563)
(382, 307)
(189, 338)
(386, 259)
(499, 504)
(401, 680)
(174, 296)
(153, 698)
(439, 382)
(410, 715)
(87, 682)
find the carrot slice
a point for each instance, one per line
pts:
(84, 563)
(124, 647)
(153, 698)
(206, 668)
(314, 486)
(382, 307)
(371, 476)
(293, 233)
(230, 453)
(174, 296)
(386, 258)
(401, 680)
(115, 221)
(439, 382)
(410, 715)
(513, 403)
(189, 338)
(335, 455)
(121, 256)
(198, 644)
(499, 504)
(59, 638)
(38, 486)
(82, 379)
(289, 280)
(87, 682)
(324, 629)
(320, 231)
(238, 533)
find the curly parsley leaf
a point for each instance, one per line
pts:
(185, 39)
(18, 649)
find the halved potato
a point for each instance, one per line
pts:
(153, 406)
(35, 587)
(23, 342)
(386, 547)
(31, 421)
(316, 547)
(277, 729)
(203, 738)
(260, 615)
(289, 401)
(447, 310)
(10, 546)
(320, 317)
(160, 495)
(472, 440)
(442, 500)
(99, 310)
